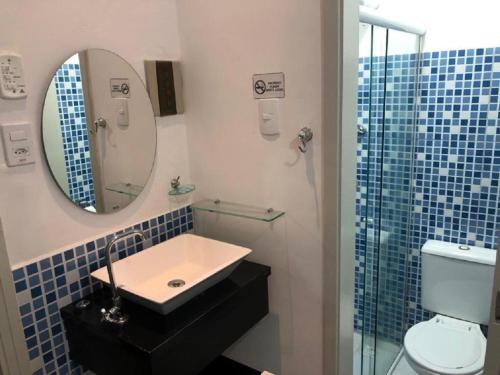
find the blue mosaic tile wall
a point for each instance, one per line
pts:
(455, 185)
(71, 105)
(45, 286)
(457, 167)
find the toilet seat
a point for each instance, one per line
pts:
(447, 346)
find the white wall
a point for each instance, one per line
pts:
(223, 43)
(37, 217)
(450, 24)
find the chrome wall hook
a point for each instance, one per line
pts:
(99, 123)
(305, 136)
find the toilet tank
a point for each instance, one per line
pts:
(457, 280)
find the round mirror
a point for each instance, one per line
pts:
(99, 132)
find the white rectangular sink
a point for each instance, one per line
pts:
(154, 277)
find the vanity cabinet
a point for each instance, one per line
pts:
(184, 342)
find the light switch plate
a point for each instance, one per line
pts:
(122, 115)
(17, 144)
(12, 85)
(269, 116)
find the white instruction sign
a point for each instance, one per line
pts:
(271, 85)
(120, 88)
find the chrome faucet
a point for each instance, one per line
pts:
(114, 314)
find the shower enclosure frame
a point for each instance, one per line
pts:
(340, 22)
(385, 202)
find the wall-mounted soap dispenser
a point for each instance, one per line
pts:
(164, 84)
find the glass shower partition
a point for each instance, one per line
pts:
(386, 128)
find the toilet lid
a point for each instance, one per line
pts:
(447, 345)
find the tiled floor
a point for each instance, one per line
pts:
(403, 368)
(386, 352)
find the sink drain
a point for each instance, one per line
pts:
(177, 283)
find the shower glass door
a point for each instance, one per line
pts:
(386, 128)
(370, 113)
(396, 172)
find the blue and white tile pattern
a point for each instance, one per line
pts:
(454, 181)
(73, 122)
(457, 166)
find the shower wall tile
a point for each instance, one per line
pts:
(73, 123)
(455, 183)
(44, 286)
(457, 156)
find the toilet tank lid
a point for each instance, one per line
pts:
(462, 252)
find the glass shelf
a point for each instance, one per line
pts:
(237, 209)
(125, 188)
(181, 190)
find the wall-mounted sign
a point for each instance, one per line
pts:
(271, 85)
(120, 88)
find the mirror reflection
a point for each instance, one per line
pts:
(99, 132)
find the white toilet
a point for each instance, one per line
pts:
(457, 283)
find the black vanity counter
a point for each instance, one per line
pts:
(183, 342)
